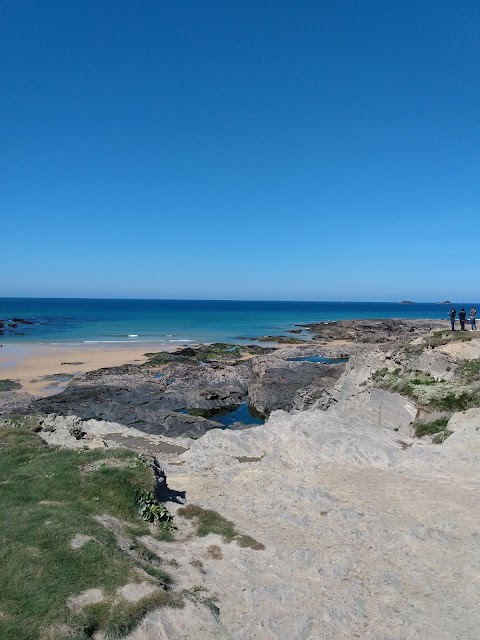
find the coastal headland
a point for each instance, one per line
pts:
(326, 488)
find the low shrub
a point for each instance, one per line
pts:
(429, 428)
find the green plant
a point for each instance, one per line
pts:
(429, 428)
(151, 510)
(470, 370)
(76, 431)
(140, 462)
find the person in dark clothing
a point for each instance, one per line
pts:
(453, 313)
(461, 316)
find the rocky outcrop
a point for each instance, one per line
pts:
(279, 384)
(150, 398)
(364, 531)
(374, 331)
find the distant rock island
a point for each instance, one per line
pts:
(445, 302)
(407, 302)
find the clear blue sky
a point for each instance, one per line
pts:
(250, 149)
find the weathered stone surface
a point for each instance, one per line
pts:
(374, 331)
(193, 621)
(90, 596)
(279, 384)
(13, 401)
(136, 591)
(382, 408)
(359, 525)
(134, 396)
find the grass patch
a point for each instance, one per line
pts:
(429, 428)
(247, 541)
(402, 381)
(119, 619)
(209, 521)
(470, 370)
(45, 500)
(444, 395)
(9, 385)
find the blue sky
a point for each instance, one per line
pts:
(252, 150)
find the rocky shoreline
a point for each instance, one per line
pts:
(360, 486)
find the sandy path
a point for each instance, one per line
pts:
(28, 364)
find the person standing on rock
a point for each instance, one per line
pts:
(453, 313)
(461, 316)
(473, 319)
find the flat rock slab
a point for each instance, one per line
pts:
(380, 407)
(90, 596)
(136, 591)
(193, 622)
(79, 539)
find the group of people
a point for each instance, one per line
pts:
(462, 315)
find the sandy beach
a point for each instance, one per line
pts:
(29, 364)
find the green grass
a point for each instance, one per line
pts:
(45, 499)
(429, 428)
(402, 381)
(9, 385)
(470, 370)
(444, 395)
(119, 619)
(209, 521)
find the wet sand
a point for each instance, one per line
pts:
(29, 364)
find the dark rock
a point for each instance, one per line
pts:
(373, 331)
(280, 385)
(9, 385)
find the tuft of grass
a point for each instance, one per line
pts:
(47, 500)
(426, 390)
(9, 385)
(429, 428)
(402, 381)
(209, 521)
(470, 370)
(247, 541)
(117, 619)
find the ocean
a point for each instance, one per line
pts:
(78, 320)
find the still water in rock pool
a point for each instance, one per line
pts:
(229, 415)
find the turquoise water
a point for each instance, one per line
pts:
(228, 415)
(123, 321)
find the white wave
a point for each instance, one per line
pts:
(133, 335)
